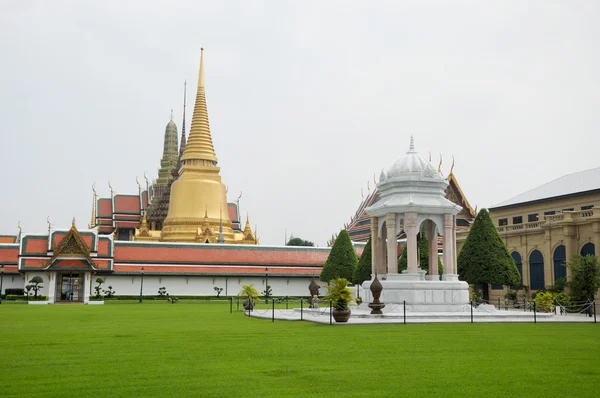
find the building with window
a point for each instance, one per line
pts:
(544, 226)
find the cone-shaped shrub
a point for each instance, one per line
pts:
(342, 259)
(484, 258)
(363, 270)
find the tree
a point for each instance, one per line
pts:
(218, 290)
(99, 281)
(342, 259)
(299, 242)
(363, 269)
(423, 245)
(585, 276)
(36, 280)
(484, 258)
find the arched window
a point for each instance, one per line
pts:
(588, 249)
(517, 257)
(560, 258)
(536, 270)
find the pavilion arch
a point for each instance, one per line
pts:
(536, 270)
(437, 221)
(559, 256)
(588, 249)
(516, 256)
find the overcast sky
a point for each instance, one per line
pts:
(307, 100)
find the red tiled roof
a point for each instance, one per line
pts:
(9, 254)
(232, 211)
(236, 255)
(103, 246)
(127, 204)
(8, 239)
(275, 271)
(105, 208)
(35, 245)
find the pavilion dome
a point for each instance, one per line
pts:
(412, 164)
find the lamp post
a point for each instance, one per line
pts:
(1, 280)
(142, 285)
(266, 285)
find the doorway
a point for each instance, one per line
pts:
(70, 288)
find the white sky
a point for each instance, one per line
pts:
(307, 99)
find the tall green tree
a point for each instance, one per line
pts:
(342, 259)
(363, 269)
(299, 242)
(484, 258)
(585, 276)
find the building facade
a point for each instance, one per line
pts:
(543, 227)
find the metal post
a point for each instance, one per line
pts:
(273, 310)
(534, 313)
(286, 302)
(594, 311)
(142, 284)
(301, 309)
(266, 285)
(330, 312)
(404, 311)
(524, 310)
(471, 312)
(498, 302)
(230, 305)
(554, 302)
(237, 303)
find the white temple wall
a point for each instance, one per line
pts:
(204, 285)
(12, 282)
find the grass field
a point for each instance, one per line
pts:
(160, 349)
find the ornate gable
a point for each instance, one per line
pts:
(72, 248)
(456, 195)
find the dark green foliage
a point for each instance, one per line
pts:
(484, 258)
(99, 281)
(559, 285)
(585, 273)
(109, 293)
(218, 290)
(36, 280)
(363, 269)
(162, 292)
(16, 291)
(299, 242)
(342, 259)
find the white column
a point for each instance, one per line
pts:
(52, 287)
(433, 252)
(85, 288)
(410, 227)
(374, 246)
(454, 252)
(449, 271)
(392, 243)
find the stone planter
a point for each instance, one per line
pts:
(341, 315)
(248, 305)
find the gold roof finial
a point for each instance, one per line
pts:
(440, 166)
(49, 224)
(19, 226)
(199, 143)
(111, 190)
(73, 223)
(93, 218)
(451, 167)
(374, 179)
(362, 194)
(369, 186)
(430, 156)
(138, 184)
(171, 113)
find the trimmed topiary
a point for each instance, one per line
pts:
(484, 258)
(364, 268)
(342, 260)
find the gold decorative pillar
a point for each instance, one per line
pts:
(392, 243)
(433, 252)
(410, 227)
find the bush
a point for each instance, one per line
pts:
(544, 301)
(363, 270)
(99, 298)
(475, 294)
(511, 295)
(342, 259)
(13, 297)
(37, 298)
(559, 285)
(18, 292)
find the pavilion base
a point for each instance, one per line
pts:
(419, 294)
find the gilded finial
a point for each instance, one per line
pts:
(49, 224)
(138, 184)
(452, 167)
(440, 166)
(411, 148)
(374, 180)
(201, 77)
(171, 113)
(94, 188)
(19, 226)
(73, 222)
(111, 189)
(369, 186)
(206, 212)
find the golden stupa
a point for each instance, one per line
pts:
(198, 201)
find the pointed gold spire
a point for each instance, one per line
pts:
(93, 218)
(199, 145)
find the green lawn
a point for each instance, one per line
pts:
(160, 349)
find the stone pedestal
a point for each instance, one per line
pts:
(448, 295)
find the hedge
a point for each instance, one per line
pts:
(16, 291)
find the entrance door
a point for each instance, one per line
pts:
(70, 287)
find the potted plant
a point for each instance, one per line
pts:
(250, 294)
(340, 296)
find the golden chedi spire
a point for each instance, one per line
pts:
(249, 237)
(198, 196)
